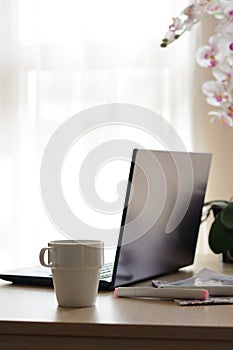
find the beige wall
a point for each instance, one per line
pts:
(210, 137)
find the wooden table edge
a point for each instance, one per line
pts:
(224, 333)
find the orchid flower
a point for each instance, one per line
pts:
(217, 55)
(206, 55)
(215, 92)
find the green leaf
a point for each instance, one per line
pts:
(227, 216)
(220, 238)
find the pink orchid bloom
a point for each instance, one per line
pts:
(224, 42)
(193, 15)
(206, 55)
(222, 117)
(176, 24)
(215, 92)
(213, 7)
(228, 10)
(224, 74)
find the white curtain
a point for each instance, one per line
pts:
(58, 57)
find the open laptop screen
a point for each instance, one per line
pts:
(162, 214)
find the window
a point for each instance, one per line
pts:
(59, 57)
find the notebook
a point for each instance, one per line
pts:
(160, 220)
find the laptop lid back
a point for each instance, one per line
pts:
(162, 214)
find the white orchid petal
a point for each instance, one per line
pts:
(215, 113)
(215, 119)
(213, 101)
(219, 75)
(227, 120)
(212, 87)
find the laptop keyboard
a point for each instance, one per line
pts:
(39, 271)
(106, 271)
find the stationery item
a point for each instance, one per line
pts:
(221, 291)
(162, 185)
(217, 284)
(161, 293)
(209, 301)
(75, 269)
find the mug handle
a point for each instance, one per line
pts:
(41, 257)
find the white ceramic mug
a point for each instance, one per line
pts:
(75, 266)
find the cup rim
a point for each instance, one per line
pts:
(72, 242)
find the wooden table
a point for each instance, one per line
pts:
(30, 319)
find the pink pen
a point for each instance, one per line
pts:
(161, 293)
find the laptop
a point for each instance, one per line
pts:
(160, 220)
